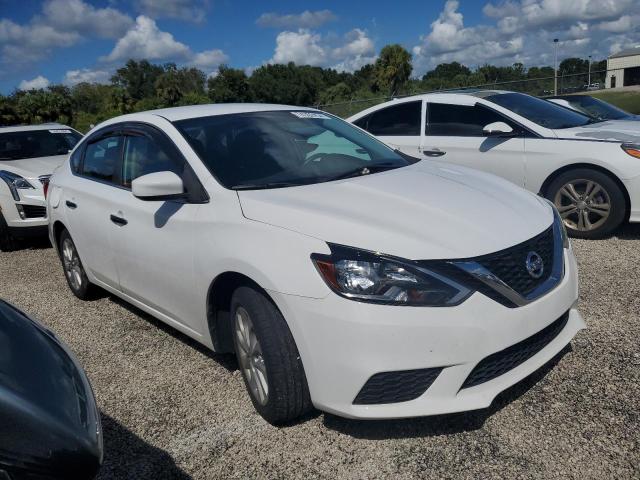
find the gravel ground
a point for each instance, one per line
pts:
(172, 409)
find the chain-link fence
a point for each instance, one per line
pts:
(543, 86)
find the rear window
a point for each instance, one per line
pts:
(37, 143)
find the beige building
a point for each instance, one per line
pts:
(623, 68)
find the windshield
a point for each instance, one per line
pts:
(37, 143)
(542, 112)
(284, 148)
(596, 108)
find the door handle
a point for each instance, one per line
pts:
(434, 152)
(71, 204)
(118, 220)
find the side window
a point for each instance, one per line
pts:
(460, 120)
(101, 158)
(144, 155)
(75, 159)
(398, 120)
(362, 122)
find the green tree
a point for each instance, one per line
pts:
(447, 71)
(392, 69)
(137, 78)
(229, 85)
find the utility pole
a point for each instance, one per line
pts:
(555, 67)
(589, 77)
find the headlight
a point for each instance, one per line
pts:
(15, 182)
(370, 277)
(557, 220)
(631, 149)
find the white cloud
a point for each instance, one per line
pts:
(60, 24)
(305, 19)
(209, 59)
(621, 25)
(77, 16)
(188, 10)
(34, 83)
(523, 31)
(301, 47)
(146, 40)
(73, 77)
(306, 47)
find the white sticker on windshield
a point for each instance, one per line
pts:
(60, 131)
(311, 115)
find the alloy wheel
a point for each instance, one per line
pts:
(71, 264)
(250, 356)
(583, 204)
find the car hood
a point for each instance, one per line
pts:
(33, 167)
(428, 210)
(612, 130)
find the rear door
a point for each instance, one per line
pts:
(453, 133)
(399, 126)
(87, 200)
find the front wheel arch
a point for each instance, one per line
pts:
(219, 305)
(575, 166)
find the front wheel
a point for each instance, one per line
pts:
(268, 358)
(591, 203)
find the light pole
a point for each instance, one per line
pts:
(589, 76)
(555, 67)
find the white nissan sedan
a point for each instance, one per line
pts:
(590, 169)
(344, 275)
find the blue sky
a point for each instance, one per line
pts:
(68, 41)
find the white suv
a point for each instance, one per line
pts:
(28, 156)
(330, 263)
(588, 168)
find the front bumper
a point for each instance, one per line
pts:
(344, 343)
(34, 213)
(633, 189)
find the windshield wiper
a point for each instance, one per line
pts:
(264, 186)
(360, 171)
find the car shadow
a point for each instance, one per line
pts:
(226, 360)
(629, 231)
(126, 455)
(438, 425)
(32, 243)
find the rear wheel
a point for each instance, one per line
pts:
(268, 358)
(73, 270)
(590, 202)
(7, 242)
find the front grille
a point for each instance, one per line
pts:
(505, 360)
(510, 265)
(34, 211)
(394, 387)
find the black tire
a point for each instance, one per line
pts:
(80, 286)
(610, 194)
(288, 393)
(7, 242)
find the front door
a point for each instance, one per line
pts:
(453, 134)
(156, 238)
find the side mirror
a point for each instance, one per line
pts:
(50, 421)
(498, 129)
(158, 186)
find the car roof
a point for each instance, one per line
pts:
(444, 96)
(29, 128)
(565, 97)
(195, 111)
